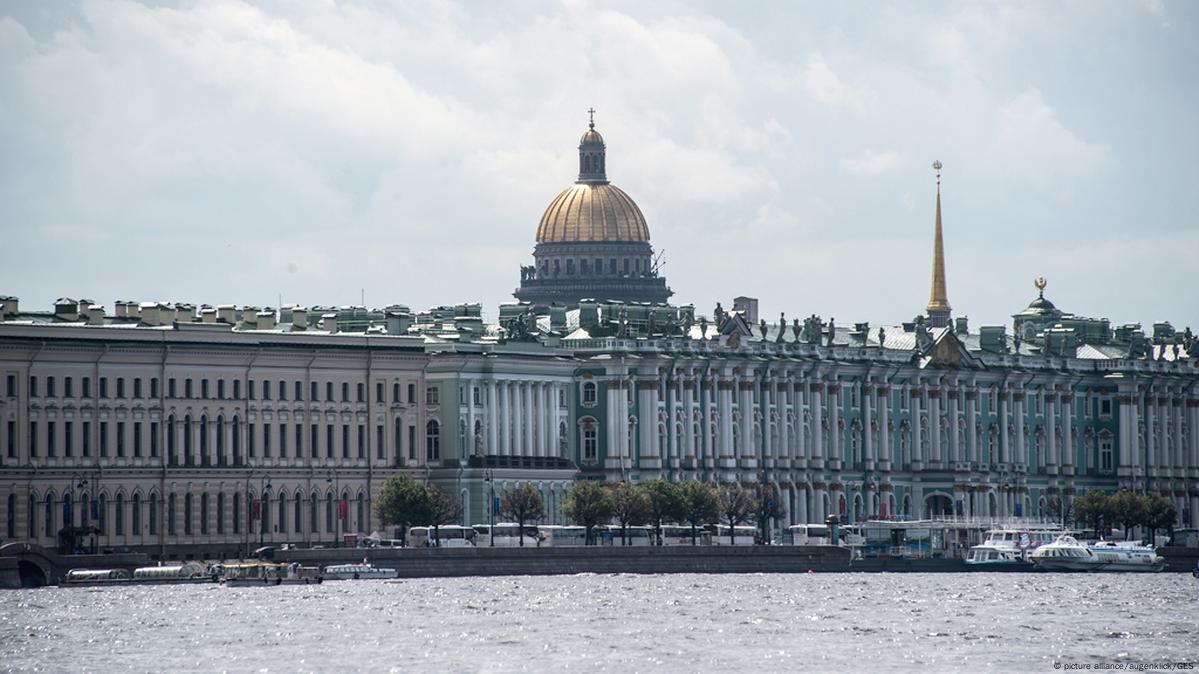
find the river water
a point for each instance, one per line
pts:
(617, 623)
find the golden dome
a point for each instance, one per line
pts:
(591, 136)
(592, 212)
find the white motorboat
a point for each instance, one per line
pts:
(363, 571)
(1067, 554)
(1010, 547)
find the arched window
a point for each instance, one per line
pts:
(137, 514)
(281, 526)
(153, 514)
(187, 440)
(590, 439)
(237, 512)
(11, 514)
(172, 456)
(220, 512)
(313, 522)
(361, 512)
(432, 441)
(562, 439)
(297, 514)
(171, 501)
(329, 512)
(236, 441)
(589, 393)
(220, 446)
(478, 439)
(32, 523)
(462, 437)
(119, 515)
(187, 513)
(48, 515)
(84, 514)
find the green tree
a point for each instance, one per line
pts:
(522, 503)
(1059, 509)
(1093, 510)
(443, 509)
(767, 506)
(587, 504)
(1128, 508)
(1160, 513)
(736, 506)
(630, 507)
(665, 504)
(699, 505)
(403, 502)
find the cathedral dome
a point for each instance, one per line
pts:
(588, 211)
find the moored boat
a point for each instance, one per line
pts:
(257, 574)
(363, 571)
(1068, 554)
(1009, 548)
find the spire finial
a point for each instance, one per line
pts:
(591, 117)
(937, 167)
(1040, 284)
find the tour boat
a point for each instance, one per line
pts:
(1067, 554)
(1009, 547)
(363, 571)
(257, 574)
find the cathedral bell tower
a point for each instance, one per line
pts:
(938, 302)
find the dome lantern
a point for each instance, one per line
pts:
(592, 155)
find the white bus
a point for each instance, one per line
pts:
(507, 535)
(557, 536)
(680, 534)
(448, 536)
(639, 537)
(742, 535)
(807, 534)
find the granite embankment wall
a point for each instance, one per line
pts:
(442, 562)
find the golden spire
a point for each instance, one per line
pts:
(938, 302)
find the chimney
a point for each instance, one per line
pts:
(149, 312)
(226, 313)
(266, 319)
(249, 316)
(166, 314)
(84, 308)
(66, 309)
(299, 318)
(120, 310)
(185, 312)
(95, 315)
(208, 315)
(135, 311)
(960, 326)
(329, 323)
(8, 305)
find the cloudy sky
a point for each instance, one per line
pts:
(229, 151)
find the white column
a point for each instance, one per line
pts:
(493, 420)
(954, 408)
(799, 392)
(745, 406)
(1018, 414)
(505, 418)
(528, 434)
(782, 395)
(885, 450)
(724, 392)
(1068, 448)
(934, 426)
(1051, 406)
(917, 429)
(1005, 408)
(689, 416)
(1151, 454)
(971, 427)
(817, 449)
(835, 450)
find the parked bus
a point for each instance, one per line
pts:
(448, 536)
(807, 534)
(639, 537)
(742, 535)
(507, 535)
(557, 536)
(680, 534)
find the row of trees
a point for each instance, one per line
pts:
(406, 503)
(1127, 509)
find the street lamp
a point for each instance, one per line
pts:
(332, 478)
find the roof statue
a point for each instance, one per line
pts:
(796, 331)
(778, 339)
(832, 330)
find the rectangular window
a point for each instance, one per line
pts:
(476, 395)
(32, 438)
(345, 392)
(120, 387)
(237, 389)
(266, 390)
(312, 390)
(10, 386)
(32, 386)
(68, 438)
(137, 439)
(86, 437)
(121, 438)
(187, 388)
(266, 440)
(329, 391)
(87, 387)
(379, 442)
(345, 441)
(412, 442)
(250, 438)
(399, 434)
(137, 387)
(299, 387)
(220, 389)
(154, 438)
(412, 393)
(49, 387)
(362, 441)
(314, 437)
(154, 387)
(12, 439)
(329, 440)
(432, 396)
(171, 390)
(1105, 407)
(361, 392)
(250, 390)
(51, 450)
(1105, 454)
(282, 441)
(68, 386)
(282, 390)
(395, 393)
(378, 391)
(299, 441)
(103, 438)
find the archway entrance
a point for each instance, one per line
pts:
(938, 505)
(31, 574)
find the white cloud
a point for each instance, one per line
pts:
(870, 163)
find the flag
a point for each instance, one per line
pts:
(342, 508)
